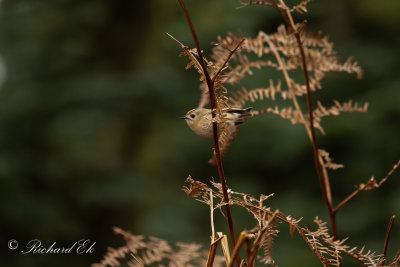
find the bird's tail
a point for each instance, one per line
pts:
(242, 114)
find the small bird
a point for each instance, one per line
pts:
(200, 120)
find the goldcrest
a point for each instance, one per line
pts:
(200, 120)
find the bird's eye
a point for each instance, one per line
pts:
(192, 116)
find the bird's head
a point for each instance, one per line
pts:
(192, 116)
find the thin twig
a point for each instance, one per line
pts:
(387, 236)
(359, 189)
(212, 215)
(210, 85)
(367, 186)
(347, 199)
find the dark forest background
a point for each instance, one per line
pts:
(90, 96)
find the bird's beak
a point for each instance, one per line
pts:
(183, 118)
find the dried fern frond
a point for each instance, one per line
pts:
(240, 98)
(328, 161)
(328, 250)
(225, 135)
(195, 188)
(191, 54)
(320, 56)
(245, 66)
(141, 251)
(368, 258)
(267, 246)
(113, 257)
(286, 113)
(335, 110)
(313, 239)
(301, 7)
(225, 140)
(258, 2)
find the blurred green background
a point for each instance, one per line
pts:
(89, 136)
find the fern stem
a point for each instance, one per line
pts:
(242, 240)
(212, 251)
(323, 180)
(210, 85)
(387, 236)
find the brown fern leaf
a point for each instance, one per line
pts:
(301, 7)
(322, 229)
(319, 52)
(113, 257)
(323, 245)
(313, 239)
(224, 48)
(225, 139)
(258, 2)
(368, 258)
(154, 251)
(195, 188)
(185, 254)
(335, 110)
(286, 113)
(328, 161)
(225, 135)
(245, 66)
(337, 246)
(320, 56)
(238, 99)
(268, 245)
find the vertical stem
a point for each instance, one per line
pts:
(323, 180)
(387, 236)
(242, 240)
(317, 163)
(210, 85)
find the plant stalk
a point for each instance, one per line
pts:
(324, 182)
(221, 173)
(387, 236)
